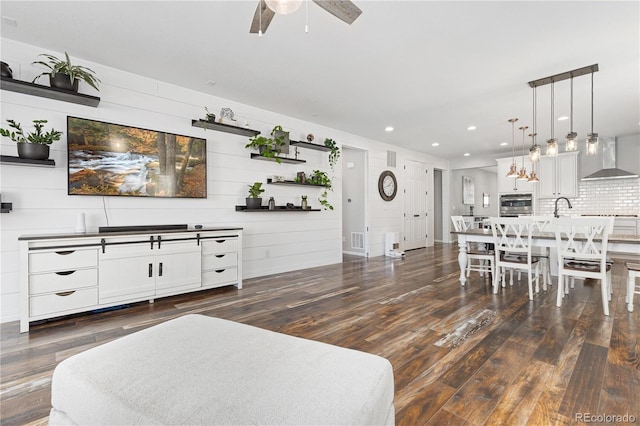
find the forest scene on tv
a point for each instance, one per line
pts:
(110, 159)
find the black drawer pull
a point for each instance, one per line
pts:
(160, 270)
(220, 241)
(64, 253)
(220, 255)
(218, 271)
(64, 273)
(65, 293)
(150, 270)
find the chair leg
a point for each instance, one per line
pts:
(560, 290)
(545, 270)
(494, 277)
(511, 277)
(503, 274)
(609, 286)
(631, 284)
(529, 280)
(605, 294)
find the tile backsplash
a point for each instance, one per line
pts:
(610, 196)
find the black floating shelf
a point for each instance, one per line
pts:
(227, 128)
(255, 156)
(265, 209)
(292, 182)
(309, 145)
(8, 159)
(6, 207)
(48, 92)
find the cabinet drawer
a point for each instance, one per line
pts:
(219, 261)
(219, 276)
(222, 245)
(63, 280)
(62, 260)
(63, 301)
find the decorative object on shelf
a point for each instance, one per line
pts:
(81, 226)
(387, 185)
(5, 70)
(64, 75)
(210, 117)
(270, 147)
(254, 201)
(271, 203)
(310, 137)
(571, 140)
(290, 206)
(523, 171)
(304, 204)
(5, 207)
(552, 144)
(320, 178)
(534, 151)
(226, 116)
(301, 177)
(295, 150)
(35, 145)
(592, 138)
(277, 178)
(513, 169)
(334, 152)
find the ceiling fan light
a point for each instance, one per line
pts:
(552, 147)
(534, 153)
(284, 7)
(592, 144)
(571, 142)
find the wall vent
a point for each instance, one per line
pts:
(391, 158)
(357, 240)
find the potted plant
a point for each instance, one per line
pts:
(210, 117)
(334, 152)
(320, 178)
(35, 145)
(63, 75)
(268, 147)
(254, 201)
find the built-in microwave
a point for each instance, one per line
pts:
(514, 205)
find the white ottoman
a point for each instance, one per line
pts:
(199, 370)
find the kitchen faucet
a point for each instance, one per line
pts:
(555, 212)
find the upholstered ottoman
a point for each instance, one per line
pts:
(198, 370)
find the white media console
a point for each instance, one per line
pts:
(70, 273)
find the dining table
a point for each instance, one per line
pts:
(618, 243)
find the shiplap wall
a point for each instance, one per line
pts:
(274, 242)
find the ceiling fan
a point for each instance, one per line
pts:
(344, 10)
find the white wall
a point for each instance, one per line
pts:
(274, 242)
(485, 181)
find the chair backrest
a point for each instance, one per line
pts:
(540, 223)
(459, 223)
(583, 238)
(512, 234)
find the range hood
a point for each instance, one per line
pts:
(609, 170)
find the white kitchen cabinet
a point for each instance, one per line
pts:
(70, 273)
(558, 176)
(510, 185)
(626, 226)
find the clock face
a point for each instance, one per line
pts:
(387, 185)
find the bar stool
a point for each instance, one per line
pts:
(632, 288)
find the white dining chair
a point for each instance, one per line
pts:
(582, 252)
(512, 240)
(485, 258)
(541, 224)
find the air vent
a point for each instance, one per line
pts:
(391, 158)
(357, 240)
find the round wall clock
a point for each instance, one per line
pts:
(387, 185)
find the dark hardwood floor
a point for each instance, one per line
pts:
(460, 355)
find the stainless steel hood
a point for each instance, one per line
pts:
(609, 170)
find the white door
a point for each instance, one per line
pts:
(415, 205)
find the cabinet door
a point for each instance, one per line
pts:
(178, 269)
(547, 175)
(126, 278)
(567, 176)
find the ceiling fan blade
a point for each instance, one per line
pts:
(341, 9)
(267, 16)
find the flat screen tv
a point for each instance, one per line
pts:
(112, 159)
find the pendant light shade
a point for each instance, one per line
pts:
(592, 138)
(523, 171)
(552, 144)
(284, 7)
(532, 176)
(513, 170)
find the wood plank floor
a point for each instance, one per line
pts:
(460, 355)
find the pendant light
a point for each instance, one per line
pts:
(523, 171)
(513, 170)
(572, 137)
(552, 144)
(592, 138)
(534, 151)
(532, 176)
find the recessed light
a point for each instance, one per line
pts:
(466, 154)
(564, 117)
(435, 144)
(388, 129)
(504, 144)
(471, 128)
(211, 83)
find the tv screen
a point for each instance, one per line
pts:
(112, 159)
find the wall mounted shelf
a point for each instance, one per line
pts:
(227, 128)
(265, 209)
(48, 92)
(309, 145)
(8, 159)
(292, 182)
(255, 156)
(6, 207)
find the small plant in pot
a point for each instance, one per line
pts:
(254, 201)
(268, 147)
(210, 117)
(63, 75)
(34, 145)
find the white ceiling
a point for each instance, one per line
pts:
(428, 68)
